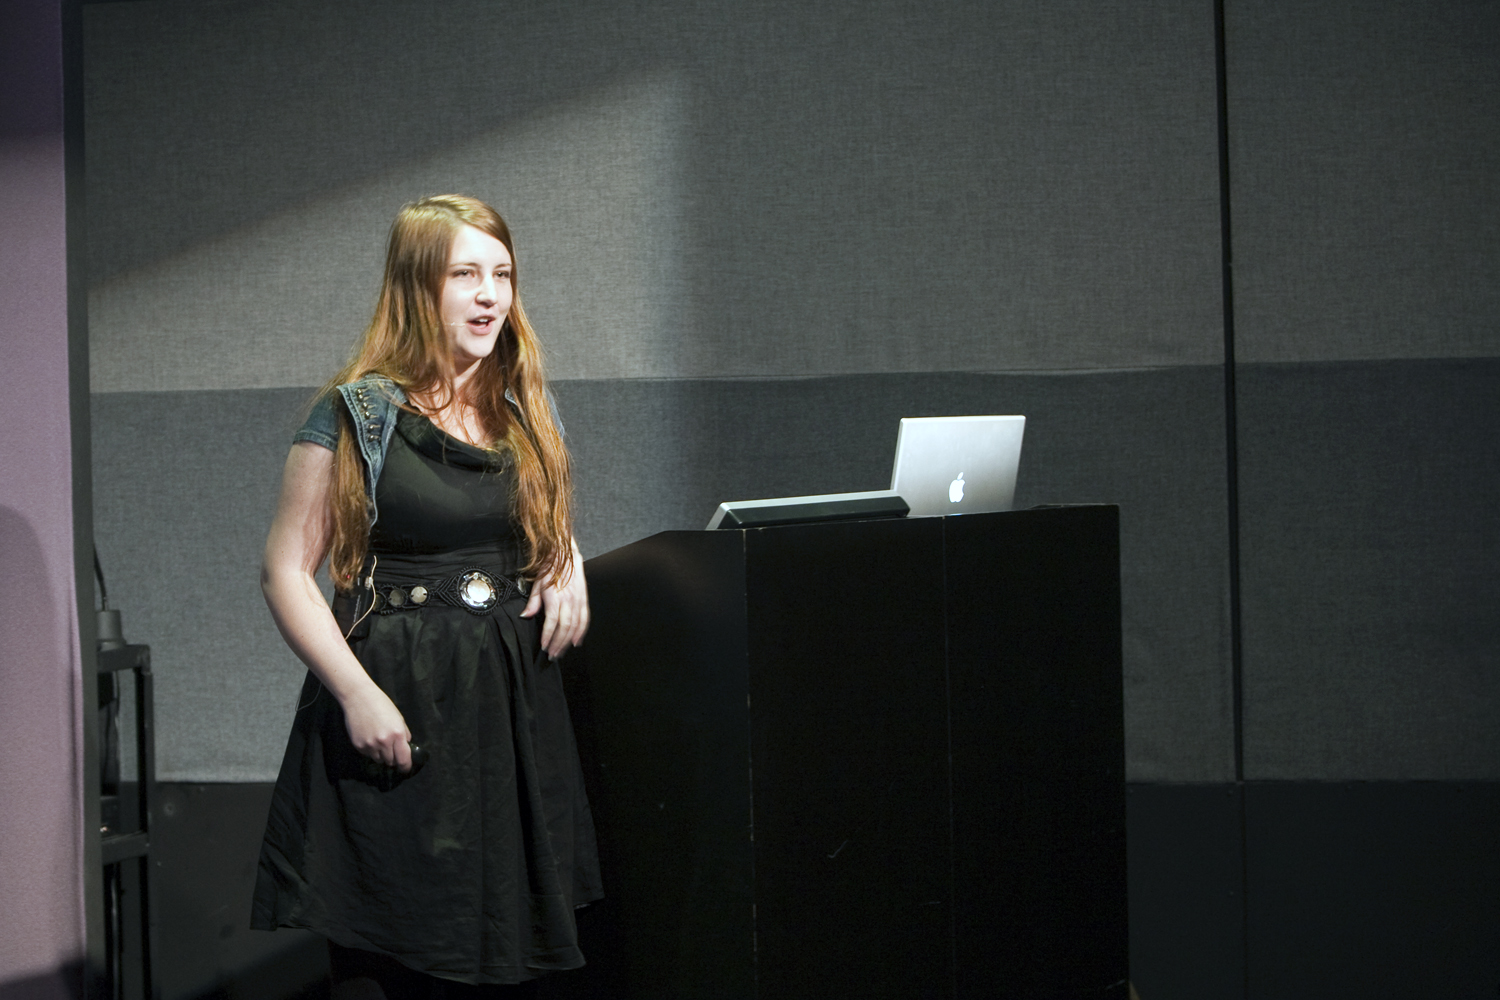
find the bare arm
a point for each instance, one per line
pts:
(565, 608)
(298, 543)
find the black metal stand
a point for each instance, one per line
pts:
(126, 837)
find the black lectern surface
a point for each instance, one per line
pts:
(858, 759)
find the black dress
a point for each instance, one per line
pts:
(468, 870)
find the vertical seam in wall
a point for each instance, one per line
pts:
(75, 235)
(1231, 429)
(1231, 475)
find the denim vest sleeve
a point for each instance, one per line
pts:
(373, 402)
(322, 424)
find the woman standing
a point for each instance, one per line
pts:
(429, 818)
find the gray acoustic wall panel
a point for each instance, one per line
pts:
(698, 189)
(1364, 138)
(186, 483)
(655, 455)
(1369, 546)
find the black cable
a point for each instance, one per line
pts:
(99, 575)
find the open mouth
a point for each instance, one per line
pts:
(482, 324)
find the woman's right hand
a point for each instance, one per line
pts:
(377, 729)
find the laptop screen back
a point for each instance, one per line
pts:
(958, 465)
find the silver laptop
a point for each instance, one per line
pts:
(957, 465)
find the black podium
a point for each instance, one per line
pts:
(857, 759)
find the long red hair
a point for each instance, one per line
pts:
(405, 343)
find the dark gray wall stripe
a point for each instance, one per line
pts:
(1367, 540)
(186, 483)
(1369, 553)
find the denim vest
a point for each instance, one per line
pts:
(373, 402)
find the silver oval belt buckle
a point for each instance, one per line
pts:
(478, 590)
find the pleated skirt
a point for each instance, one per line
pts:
(470, 869)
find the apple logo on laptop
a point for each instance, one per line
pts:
(956, 489)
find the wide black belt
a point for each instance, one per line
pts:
(474, 590)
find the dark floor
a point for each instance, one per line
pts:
(1351, 889)
(1358, 890)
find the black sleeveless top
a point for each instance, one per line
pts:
(440, 495)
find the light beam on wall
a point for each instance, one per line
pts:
(592, 190)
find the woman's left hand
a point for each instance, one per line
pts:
(565, 608)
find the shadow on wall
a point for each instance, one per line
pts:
(65, 983)
(38, 783)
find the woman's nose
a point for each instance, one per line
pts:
(487, 292)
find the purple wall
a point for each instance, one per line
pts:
(41, 825)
